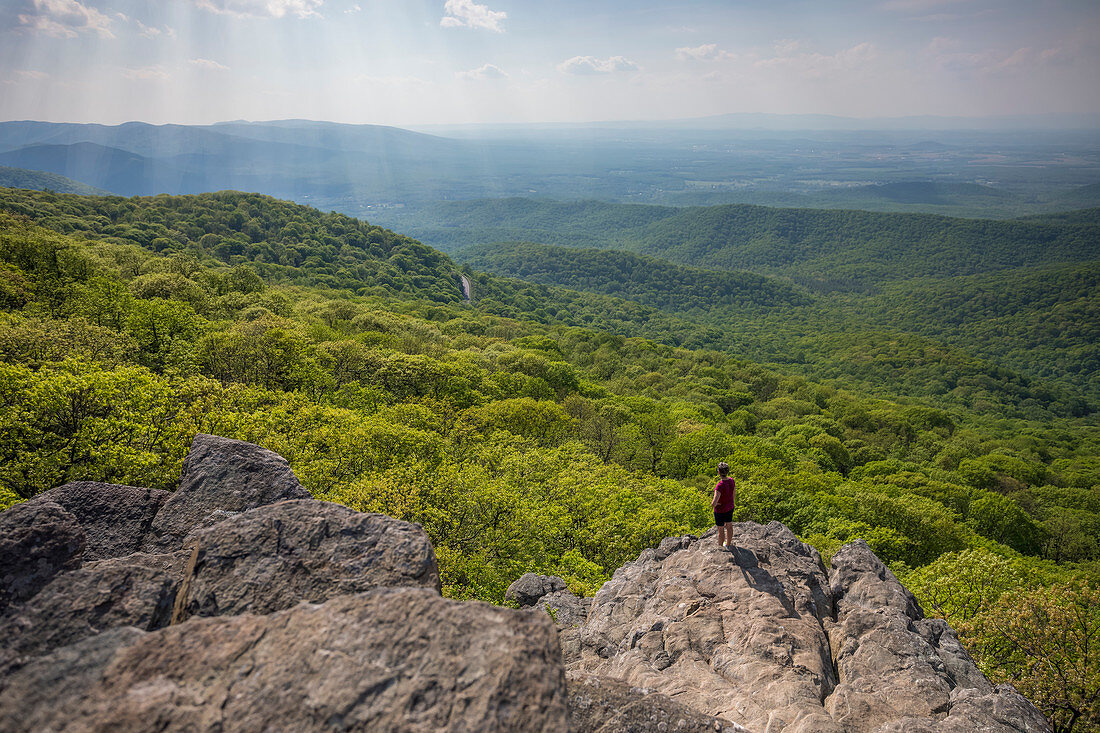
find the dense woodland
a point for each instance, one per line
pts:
(993, 313)
(538, 428)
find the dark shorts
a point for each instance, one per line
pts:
(721, 518)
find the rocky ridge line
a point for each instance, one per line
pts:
(239, 603)
(764, 636)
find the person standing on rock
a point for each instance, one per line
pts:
(725, 498)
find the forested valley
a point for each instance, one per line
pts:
(972, 312)
(563, 422)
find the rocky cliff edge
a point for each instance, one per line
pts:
(239, 603)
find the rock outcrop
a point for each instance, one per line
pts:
(607, 705)
(327, 618)
(392, 659)
(764, 636)
(901, 671)
(738, 635)
(220, 477)
(116, 519)
(528, 588)
(274, 557)
(38, 540)
(138, 590)
(548, 593)
(239, 603)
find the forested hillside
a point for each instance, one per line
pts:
(824, 249)
(840, 247)
(533, 428)
(648, 280)
(40, 181)
(1009, 304)
(928, 197)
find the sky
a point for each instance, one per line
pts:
(424, 62)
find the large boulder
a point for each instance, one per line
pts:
(1004, 710)
(762, 636)
(549, 593)
(137, 590)
(388, 659)
(273, 557)
(734, 634)
(604, 705)
(898, 671)
(220, 478)
(38, 540)
(115, 518)
(64, 675)
(527, 589)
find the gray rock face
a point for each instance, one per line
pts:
(389, 659)
(221, 475)
(137, 590)
(762, 636)
(115, 518)
(529, 588)
(549, 593)
(737, 635)
(568, 610)
(273, 557)
(1002, 711)
(38, 540)
(899, 671)
(604, 705)
(64, 675)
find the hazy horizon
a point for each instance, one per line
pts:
(417, 63)
(756, 121)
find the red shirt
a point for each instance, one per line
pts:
(725, 489)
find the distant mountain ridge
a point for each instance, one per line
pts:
(113, 169)
(41, 181)
(362, 169)
(907, 122)
(292, 161)
(166, 140)
(854, 248)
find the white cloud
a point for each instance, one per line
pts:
(817, 65)
(26, 75)
(353, 9)
(64, 19)
(943, 44)
(1055, 56)
(208, 65)
(468, 14)
(589, 65)
(946, 54)
(787, 46)
(488, 71)
(148, 31)
(146, 73)
(705, 52)
(262, 8)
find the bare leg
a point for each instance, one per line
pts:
(729, 532)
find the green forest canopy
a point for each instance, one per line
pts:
(130, 325)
